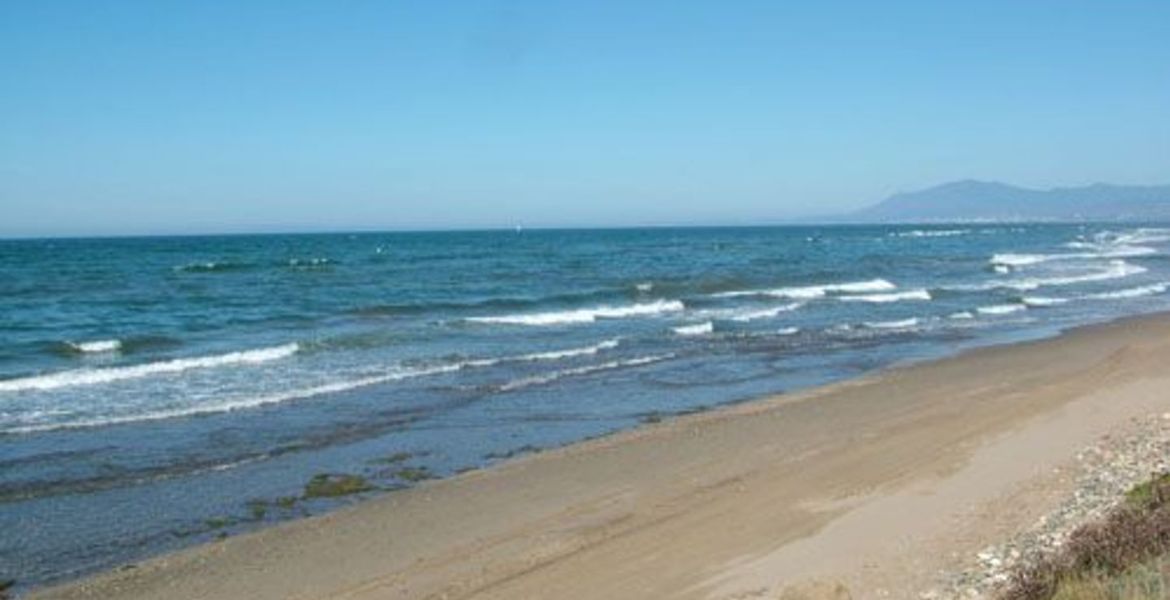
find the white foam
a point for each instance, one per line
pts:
(962, 315)
(80, 377)
(766, 313)
(97, 346)
(1136, 292)
(555, 375)
(570, 353)
(1116, 269)
(1043, 301)
(901, 324)
(810, 292)
(584, 315)
(1020, 260)
(1024, 260)
(918, 294)
(309, 262)
(695, 329)
(238, 404)
(788, 331)
(328, 388)
(929, 233)
(1143, 235)
(644, 287)
(1001, 309)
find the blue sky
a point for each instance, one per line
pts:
(182, 117)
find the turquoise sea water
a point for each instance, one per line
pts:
(155, 391)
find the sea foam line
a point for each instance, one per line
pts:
(919, 294)
(928, 233)
(810, 292)
(900, 324)
(766, 313)
(78, 377)
(328, 388)
(1023, 260)
(695, 329)
(1001, 309)
(1134, 292)
(585, 370)
(543, 356)
(584, 315)
(235, 405)
(1117, 269)
(96, 346)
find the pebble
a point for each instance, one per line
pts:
(1108, 470)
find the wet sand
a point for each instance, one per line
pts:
(878, 484)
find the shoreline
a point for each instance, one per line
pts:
(736, 502)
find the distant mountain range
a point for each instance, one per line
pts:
(991, 201)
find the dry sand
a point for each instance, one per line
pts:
(878, 484)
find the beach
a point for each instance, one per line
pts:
(882, 485)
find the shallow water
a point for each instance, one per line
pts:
(155, 392)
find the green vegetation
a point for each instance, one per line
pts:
(286, 502)
(525, 449)
(332, 485)
(6, 586)
(218, 522)
(392, 459)
(1125, 556)
(1144, 581)
(413, 474)
(652, 417)
(1150, 493)
(258, 509)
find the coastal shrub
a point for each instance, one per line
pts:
(1108, 559)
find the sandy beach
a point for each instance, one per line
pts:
(881, 485)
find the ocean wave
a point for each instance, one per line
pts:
(1024, 260)
(79, 377)
(584, 315)
(233, 405)
(1001, 309)
(212, 266)
(1020, 260)
(585, 370)
(550, 355)
(919, 294)
(929, 233)
(695, 329)
(1135, 292)
(644, 287)
(400, 373)
(1043, 301)
(810, 292)
(96, 346)
(1142, 235)
(310, 263)
(743, 316)
(1116, 269)
(788, 331)
(961, 315)
(899, 324)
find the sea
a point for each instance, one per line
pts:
(159, 392)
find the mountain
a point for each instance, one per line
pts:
(991, 201)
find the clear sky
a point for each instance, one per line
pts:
(202, 116)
